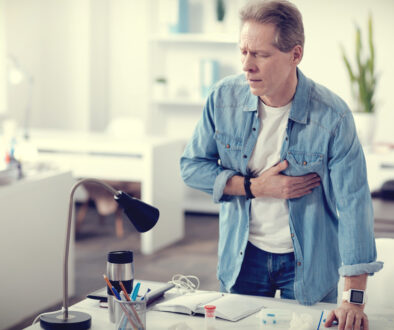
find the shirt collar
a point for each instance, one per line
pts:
(299, 110)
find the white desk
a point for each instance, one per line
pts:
(162, 320)
(152, 161)
(33, 230)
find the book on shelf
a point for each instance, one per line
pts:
(231, 307)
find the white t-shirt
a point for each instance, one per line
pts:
(269, 217)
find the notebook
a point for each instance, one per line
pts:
(231, 307)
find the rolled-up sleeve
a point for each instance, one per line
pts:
(200, 168)
(353, 201)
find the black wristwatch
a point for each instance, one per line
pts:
(248, 192)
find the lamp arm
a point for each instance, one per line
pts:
(67, 245)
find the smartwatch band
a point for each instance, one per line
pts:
(248, 192)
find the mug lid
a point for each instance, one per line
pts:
(120, 257)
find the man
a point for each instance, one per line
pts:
(281, 155)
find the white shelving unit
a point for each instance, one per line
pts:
(177, 58)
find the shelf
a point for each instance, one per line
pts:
(211, 38)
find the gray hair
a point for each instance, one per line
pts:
(284, 15)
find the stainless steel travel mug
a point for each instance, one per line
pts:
(119, 268)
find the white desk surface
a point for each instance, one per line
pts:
(380, 320)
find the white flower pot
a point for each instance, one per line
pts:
(365, 126)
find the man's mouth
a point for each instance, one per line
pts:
(254, 81)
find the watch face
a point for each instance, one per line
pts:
(356, 296)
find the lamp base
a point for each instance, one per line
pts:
(75, 321)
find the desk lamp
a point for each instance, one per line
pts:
(142, 216)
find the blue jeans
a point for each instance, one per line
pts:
(262, 273)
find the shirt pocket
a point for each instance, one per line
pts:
(301, 163)
(229, 148)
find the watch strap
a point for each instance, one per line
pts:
(247, 183)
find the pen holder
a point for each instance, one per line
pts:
(130, 315)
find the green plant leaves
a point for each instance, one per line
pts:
(362, 76)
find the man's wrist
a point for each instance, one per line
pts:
(247, 184)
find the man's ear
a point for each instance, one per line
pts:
(297, 53)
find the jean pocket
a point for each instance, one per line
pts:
(301, 163)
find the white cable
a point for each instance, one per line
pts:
(36, 319)
(185, 282)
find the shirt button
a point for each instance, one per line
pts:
(304, 163)
(287, 139)
(298, 263)
(241, 253)
(227, 146)
(245, 156)
(254, 128)
(292, 235)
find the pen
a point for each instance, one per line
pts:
(143, 297)
(124, 291)
(111, 287)
(321, 316)
(135, 291)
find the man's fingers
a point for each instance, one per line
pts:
(357, 322)
(280, 167)
(349, 321)
(295, 180)
(299, 194)
(365, 322)
(331, 317)
(307, 183)
(296, 193)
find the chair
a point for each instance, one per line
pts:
(105, 204)
(128, 128)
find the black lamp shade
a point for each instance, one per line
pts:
(142, 215)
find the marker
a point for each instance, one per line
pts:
(135, 291)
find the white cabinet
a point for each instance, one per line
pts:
(33, 220)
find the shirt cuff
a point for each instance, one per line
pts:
(359, 269)
(220, 183)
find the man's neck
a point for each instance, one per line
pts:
(284, 96)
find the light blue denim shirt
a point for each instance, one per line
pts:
(331, 228)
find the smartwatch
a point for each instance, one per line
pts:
(354, 296)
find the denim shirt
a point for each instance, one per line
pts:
(331, 228)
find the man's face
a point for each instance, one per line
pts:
(268, 70)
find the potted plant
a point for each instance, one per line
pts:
(363, 80)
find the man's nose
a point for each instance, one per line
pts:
(248, 64)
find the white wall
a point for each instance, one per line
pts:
(129, 21)
(3, 75)
(331, 23)
(89, 57)
(50, 39)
